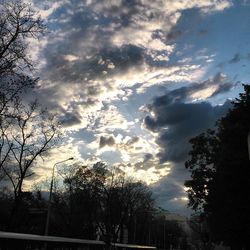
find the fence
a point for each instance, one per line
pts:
(11, 241)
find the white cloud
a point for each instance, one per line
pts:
(150, 175)
(98, 55)
(71, 79)
(71, 58)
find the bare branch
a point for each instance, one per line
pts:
(18, 21)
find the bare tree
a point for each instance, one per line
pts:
(18, 21)
(25, 137)
(9, 102)
(29, 136)
(26, 131)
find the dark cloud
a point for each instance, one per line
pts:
(236, 58)
(223, 88)
(70, 119)
(87, 29)
(147, 157)
(189, 120)
(203, 31)
(132, 141)
(169, 191)
(176, 122)
(84, 37)
(91, 43)
(109, 60)
(106, 141)
(148, 162)
(221, 81)
(122, 57)
(183, 94)
(173, 35)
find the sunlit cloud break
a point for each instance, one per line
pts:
(133, 81)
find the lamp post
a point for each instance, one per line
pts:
(50, 195)
(248, 144)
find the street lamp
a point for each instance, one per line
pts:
(50, 195)
(248, 144)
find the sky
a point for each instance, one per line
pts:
(134, 80)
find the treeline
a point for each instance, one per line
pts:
(95, 203)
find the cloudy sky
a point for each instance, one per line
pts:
(134, 80)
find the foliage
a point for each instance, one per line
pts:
(203, 156)
(165, 233)
(100, 203)
(219, 167)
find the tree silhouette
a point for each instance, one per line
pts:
(18, 21)
(220, 174)
(26, 130)
(103, 201)
(10, 105)
(29, 136)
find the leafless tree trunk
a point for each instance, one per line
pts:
(18, 21)
(28, 136)
(9, 101)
